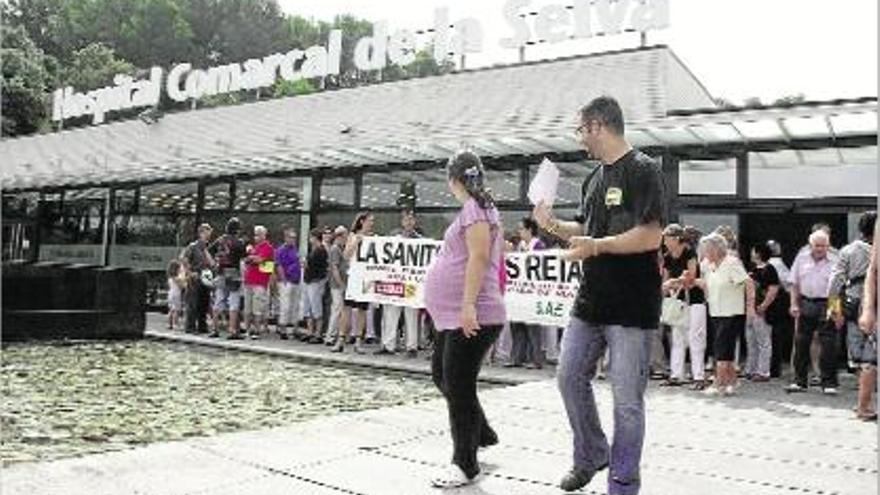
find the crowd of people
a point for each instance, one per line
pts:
(655, 297)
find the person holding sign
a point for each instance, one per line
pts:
(617, 234)
(357, 324)
(463, 297)
(391, 313)
(260, 262)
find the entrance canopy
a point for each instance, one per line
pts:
(500, 111)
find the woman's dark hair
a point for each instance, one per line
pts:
(531, 225)
(359, 220)
(316, 234)
(173, 268)
(763, 251)
(467, 168)
(866, 224)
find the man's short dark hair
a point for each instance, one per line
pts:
(606, 110)
(530, 224)
(866, 224)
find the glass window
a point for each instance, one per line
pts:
(337, 191)
(829, 172)
(277, 194)
(707, 177)
(389, 189)
(504, 185)
(78, 218)
(217, 196)
(20, 205)
(179, 198)
(432, 189)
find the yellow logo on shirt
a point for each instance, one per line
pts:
(614, 196)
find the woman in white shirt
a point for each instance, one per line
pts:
(728, 288)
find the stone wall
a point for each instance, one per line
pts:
(56, 301)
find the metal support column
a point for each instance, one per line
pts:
(200, 207)
(311, 202)
(672, 179)
(109, 209)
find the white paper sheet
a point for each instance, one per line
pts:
(543, 186)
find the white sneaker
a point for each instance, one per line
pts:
(450, 476)
(712, 390)
(728, 390)
(829, 390)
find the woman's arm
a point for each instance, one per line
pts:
(868, 318)
(479, 244)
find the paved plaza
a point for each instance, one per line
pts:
(759, 442)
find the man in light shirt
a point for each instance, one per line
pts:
(810, 276)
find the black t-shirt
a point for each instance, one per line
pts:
(764, 277)
(621, 289)
(676, 266)
(228, 251)
(317, 265)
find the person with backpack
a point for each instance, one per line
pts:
(228, 250)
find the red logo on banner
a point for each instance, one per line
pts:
(391, 288)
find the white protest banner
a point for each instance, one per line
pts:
(391, 270)
(541, 287)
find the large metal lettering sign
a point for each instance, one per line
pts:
(551, 23)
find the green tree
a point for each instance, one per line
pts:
(284, 88)
(27, 77)
(94, 67)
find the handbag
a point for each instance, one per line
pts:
(674, 311)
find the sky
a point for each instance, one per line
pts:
(737, 48)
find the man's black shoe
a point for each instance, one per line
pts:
(383, 351)
(578, 478)
(488, 437)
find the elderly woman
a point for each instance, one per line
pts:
(463, 297)
(726, 284)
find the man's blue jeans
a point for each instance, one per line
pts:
(628, 369)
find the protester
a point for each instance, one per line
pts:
(338, 281)
(200, 263)
(527, 337)
(228, 250)
(362, 227)
(618, 306)
(315, 278)
(760, 330)
(810, 277)
(288, 273)
(463, 296)
(729, 293)
(391, 313)
(783, 326)
(845, 293)
(868, 325)
(259, 267)
(680, 271)
(176, 287)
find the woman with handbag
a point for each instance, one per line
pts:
(684, 308)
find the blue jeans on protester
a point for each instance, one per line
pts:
(583, 344)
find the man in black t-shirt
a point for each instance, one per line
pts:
(617, 235)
